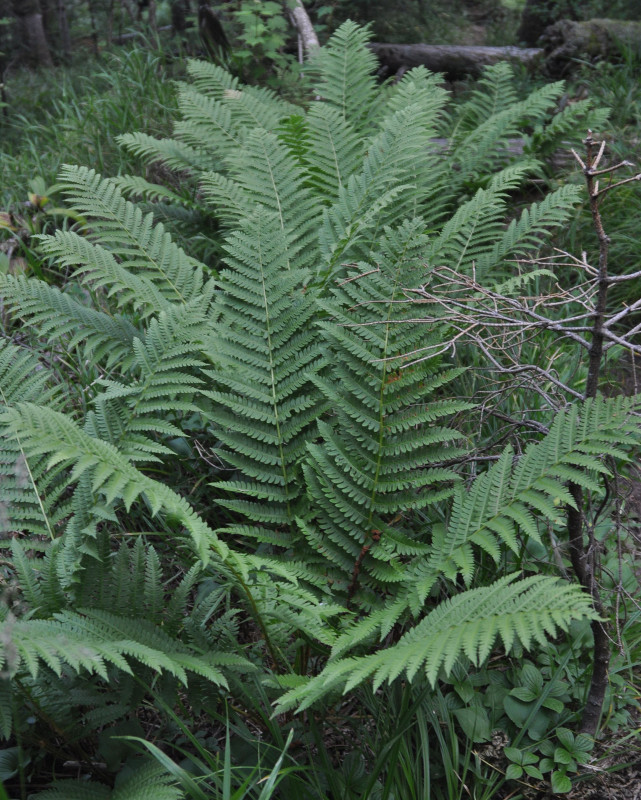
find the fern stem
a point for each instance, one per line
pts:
(275, 653)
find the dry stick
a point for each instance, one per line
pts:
(584, 560)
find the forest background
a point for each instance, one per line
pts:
(319, 406)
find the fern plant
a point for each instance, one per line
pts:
(326, 503)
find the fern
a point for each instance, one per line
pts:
(119, 226)
(332, 153)
(175, 155)
(91, 639)
(391, 184)
(164, 368)
(57, 316)
(335, 513)
(148, 782)
(32, 494)
(528, 611)
(343, 74)
(277, 183)
(503, 502)
(266, 359)
(375, 462)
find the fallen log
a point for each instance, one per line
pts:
(594, 39)
(456, 61)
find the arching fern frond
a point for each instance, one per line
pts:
(333, 153)
(469, 236)
(160, 384)
(528, 611)
(58, 316)
(136, 186)
(148, 782)
(207, 123)
(526, 233)
(174, 154)
(92, 639)
(98, 267)
(47, 432)
(484, 148)
(31, 496)
(143, 245)
(395, 178)
(276, 182)
(504, 502)
(228, 198)
(510, 498)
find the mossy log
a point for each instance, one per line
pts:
(561, 45)
(593, 39)
(456, 61)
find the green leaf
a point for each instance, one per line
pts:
(534, 772)
(475, 723)
(561, 784)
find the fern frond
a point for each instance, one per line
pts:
(98, 267)
(483, 141)
(31, 495)
(136, 186)
(492, 93)
(525, 234)
(210, 78)
(175, 155)
(469, 236)
(47, 432)
(333, 153)
(266, 357)
(399, 172)
(277, 183)
(149, 782)
(229, 199)
(566, 127)
(206, 122)
(119, 226)
(374, 462)
(529, 611)
(162, 380)
(56, 315)
(343, 73)
(502, 500)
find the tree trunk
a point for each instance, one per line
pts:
(94, 29)
(179, 11)
(63, 27)
(454, 60)
(35, 42)
(538, 15)
(151, 17)
(130, 8)
(307, 38)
